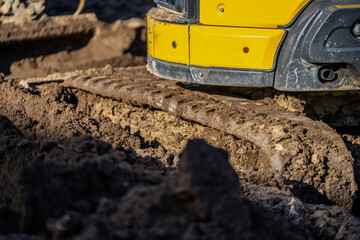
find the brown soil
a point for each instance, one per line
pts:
(57, 113)
(173, 132)
(118, 195)
(79, 165)
(315, 157)
(338, 109)
(70, 43)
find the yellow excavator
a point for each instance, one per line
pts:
(291, 45)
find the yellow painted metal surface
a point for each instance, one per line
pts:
(171, 42)
(234, 47)
(213, 46)
(250, 13)
(349, 6)
(150, 36)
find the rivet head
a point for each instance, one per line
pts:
(174, 44)
(149, 41)
(222, 9)
(356, 30)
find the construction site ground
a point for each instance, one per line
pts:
(92, 146)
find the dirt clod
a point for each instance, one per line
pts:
(91, 185)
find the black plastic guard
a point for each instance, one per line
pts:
(332, 31)
(321, 41)
(211, 75)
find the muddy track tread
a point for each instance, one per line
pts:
(291, 142)
(47, 28)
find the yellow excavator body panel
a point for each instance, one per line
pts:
(292, 45)
(250, 13)
(348, 6)
(233, 33)
(171, 41)
(150, 36)
(213, 46)
(233, 47)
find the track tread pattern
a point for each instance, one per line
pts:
(291, 142)
(47, 28)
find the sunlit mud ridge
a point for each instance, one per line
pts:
(88, 189)
(304, 153)
(68, 43)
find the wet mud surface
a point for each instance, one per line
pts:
(173, 131)
(79, 165)
(70, 44)
(47, 127)
(89, 189)
(119, 195)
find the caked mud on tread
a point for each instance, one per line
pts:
(47, 28)
(304, 152)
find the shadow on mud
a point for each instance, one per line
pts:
(307, 193)
(31, 49)
(139, 47)
(89, 189)
(105, 10)
(351, 138)
(339, 110)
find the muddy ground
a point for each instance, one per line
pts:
(69, 171)
(106, 10)
(47, 131)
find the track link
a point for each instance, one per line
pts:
(290, 142)
(47, 28)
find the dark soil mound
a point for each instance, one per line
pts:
(90, 190)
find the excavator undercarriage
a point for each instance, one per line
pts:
(287, 139)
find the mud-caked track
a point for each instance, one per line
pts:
(91, 190)
(44, 109)
(95, 147)
(54, 44)
(281, 148)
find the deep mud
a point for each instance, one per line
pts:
(88, 189)
(338, 109)
(351, 137)
(173, 132)
(75, 165)
(91, 44)
(57, 113)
